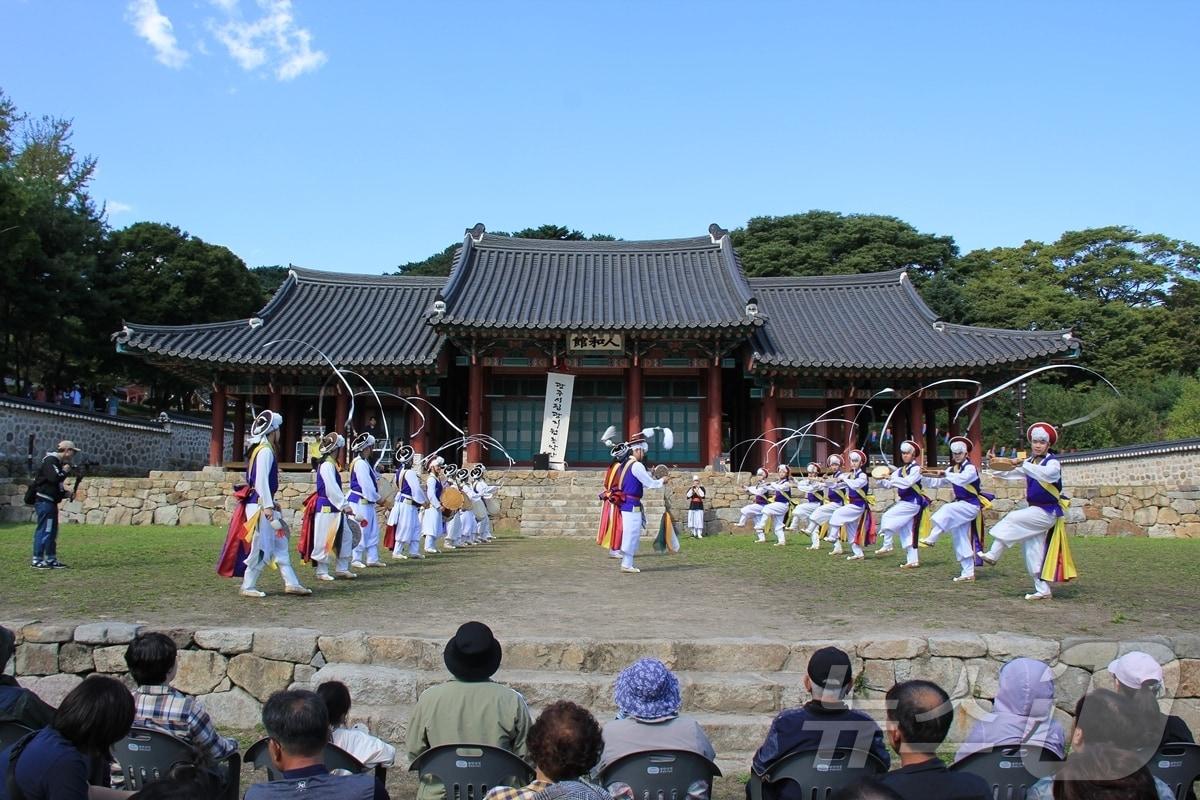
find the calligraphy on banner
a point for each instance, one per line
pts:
(595, 343)
(556, 418)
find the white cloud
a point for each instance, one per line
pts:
(273, 40)
(154, 26)
(114, 207)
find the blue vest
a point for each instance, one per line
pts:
(355, 489)
(317, 787)
(961, 493)
(323, 503)
(909, 494)
(858, 497)
(1035, 495)
(402, 484)
(784, 496)
(252, 470)
(631, 491)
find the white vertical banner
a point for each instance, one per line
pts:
(556, 419)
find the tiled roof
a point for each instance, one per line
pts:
(362, 320)
(879, 322)
(506, 283)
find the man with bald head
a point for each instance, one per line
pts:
(918, 718)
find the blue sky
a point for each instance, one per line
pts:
(360, 135)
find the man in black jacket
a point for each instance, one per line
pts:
(918, 718)
(49, 491)
(16, 703)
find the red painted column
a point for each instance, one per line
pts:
(824, 448)
(342, 409)
(916, 418)
(770, 421)
(216, 441)
(975, 434)
(420, 442)
(633, 400)
(712, 423)
(474, 411)
(239, 429)
(851, 433)
(931, 437)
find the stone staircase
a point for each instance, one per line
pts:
(571, 508)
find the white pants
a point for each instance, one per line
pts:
(368, 542)
(470, 527)
(752, 510)
(775, 512)
(432, 526)
(822, 515)
(696, 521)
(631, 532)
(325, 528)
(266, 546)
(1029, 525)
(485, 528)
(896, 522)
(454, 529)
(801, 513)
(956, 518)
(407, 520)
(847, 516)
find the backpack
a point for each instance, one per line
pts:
(31, 494)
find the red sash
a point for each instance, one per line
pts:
(232, 563)
(304, 544)
(609, 534)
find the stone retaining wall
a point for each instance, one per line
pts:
(118, 445)
(205, 498)
(233, 670)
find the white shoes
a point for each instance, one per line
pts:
(964, 579)
(431, 550)
(358, 564)
(374, 564)
(418, 556)
(252, 593)
(630, 570)
(399, 557)
(780, 544)
(987, 558)
(614, 553)
(300, 590)
(1038, 596)
(342, 573)
(856, 558)
(324, 576)
(448, 546)
(884, 550)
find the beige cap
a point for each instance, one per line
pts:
(67, 444)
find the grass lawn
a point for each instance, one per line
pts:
(720, 586)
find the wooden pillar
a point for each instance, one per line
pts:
(824, 448)
(712, 421)
(633, 400)
(216, 441)
(975, 434)
(474, 411)
(420, 442)
(770, 421)
(239, 429)
(851, 432)
(916, 419)
(341, 410)
(931, 437)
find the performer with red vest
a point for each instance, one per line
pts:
(963, 516)
(910, 512)
(263, 523)
(1042, 525)
(853, 520)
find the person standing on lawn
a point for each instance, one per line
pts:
(48, 491)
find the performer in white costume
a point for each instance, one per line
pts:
(847, 521)
(813, 490)
(636, 480)
(270, 540)
(757, 490)
(433, 525)
(695, 500)
(484, 492)
(330, 531)
(833, 501)
(405, 515)
(1036, 526)
(960, 517)
(779, 495)
(364, 494)
(903, 518)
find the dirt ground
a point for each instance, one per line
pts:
(718, 587)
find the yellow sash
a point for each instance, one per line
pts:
(1059, 565)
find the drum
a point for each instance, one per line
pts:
(387, 491)
(479, 510)
(492, 505)
(880, 472)
(453, 499)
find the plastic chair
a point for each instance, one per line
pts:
(1010, 769)
(1176, 765)
(11, 733)
(335, 758)
(147, 755)
(468, 771)
(819, 774)
(660, 774)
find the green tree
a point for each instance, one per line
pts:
(270, 278)
(1183, 421)
(440, 264)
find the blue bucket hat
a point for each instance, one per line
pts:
(647, 690)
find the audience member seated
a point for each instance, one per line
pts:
(18, 704)
(55, 762)
(1139, 678)
(919, 715)
(185, 782)
(471, 709)
(866, 789)
(297, 731)
(356, 740)
(1022, 713)
(823, 722)
(1104, 743)
(648, 700)
(565, 744)
(151, 658)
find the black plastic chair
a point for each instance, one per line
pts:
(1176, 765)
(1010, 769)
(468, 771)
(660, 774)
(11, 733)
(335, 758)
(147, 755)
(819, 774)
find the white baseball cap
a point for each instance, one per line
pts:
(1135, 668)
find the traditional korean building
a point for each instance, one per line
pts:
(667, 332)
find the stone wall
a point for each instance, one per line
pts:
(1163, 464)
(116, 445)
(737, 685)
(204, 497)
